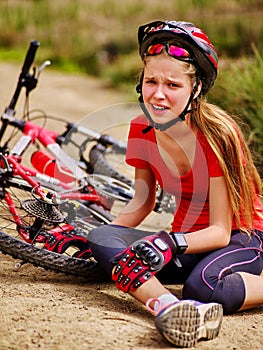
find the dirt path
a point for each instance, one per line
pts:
(44, 310)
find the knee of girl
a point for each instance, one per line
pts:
(103, 247)
(228, 291)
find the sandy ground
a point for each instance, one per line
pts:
(44, 310)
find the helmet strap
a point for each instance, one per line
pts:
(165, 126)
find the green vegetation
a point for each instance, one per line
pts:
(99, 38)
(93, 34)
(239, 89)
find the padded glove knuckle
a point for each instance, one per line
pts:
(140, 261)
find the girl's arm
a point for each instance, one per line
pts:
(218, 234)
(143, 201)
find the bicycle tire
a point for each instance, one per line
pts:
(100, 213)
(100, 163)
(106, 161)
(46, 259)
(14, 245)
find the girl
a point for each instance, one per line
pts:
(197, 152)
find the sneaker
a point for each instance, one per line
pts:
(185, 322)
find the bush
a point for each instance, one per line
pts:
(239, 89)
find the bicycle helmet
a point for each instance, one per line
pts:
(187, 36)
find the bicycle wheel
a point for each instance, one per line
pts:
(48, 260)
(111, 162)
(31, 249)
(111, 187)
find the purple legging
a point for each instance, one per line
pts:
(209, 277)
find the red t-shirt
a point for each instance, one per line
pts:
(191, 190)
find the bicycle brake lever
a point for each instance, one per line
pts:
(42, 67)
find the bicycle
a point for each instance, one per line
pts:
(106, 152)
(104, 156)
(94, 194)
(47, 214)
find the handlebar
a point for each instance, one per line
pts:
(30, 56)
(103, 139)
(25, 79)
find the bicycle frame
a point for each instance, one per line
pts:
(11, 168)
(67, 179)
(32, 133)
(68, 170)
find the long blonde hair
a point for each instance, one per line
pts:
(227, 140)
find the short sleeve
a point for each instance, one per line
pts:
(136, 154)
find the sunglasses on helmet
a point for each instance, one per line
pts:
(172, 50)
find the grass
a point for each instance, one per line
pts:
(84, 31)
(239, 89)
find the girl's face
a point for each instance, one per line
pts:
(166, 88)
